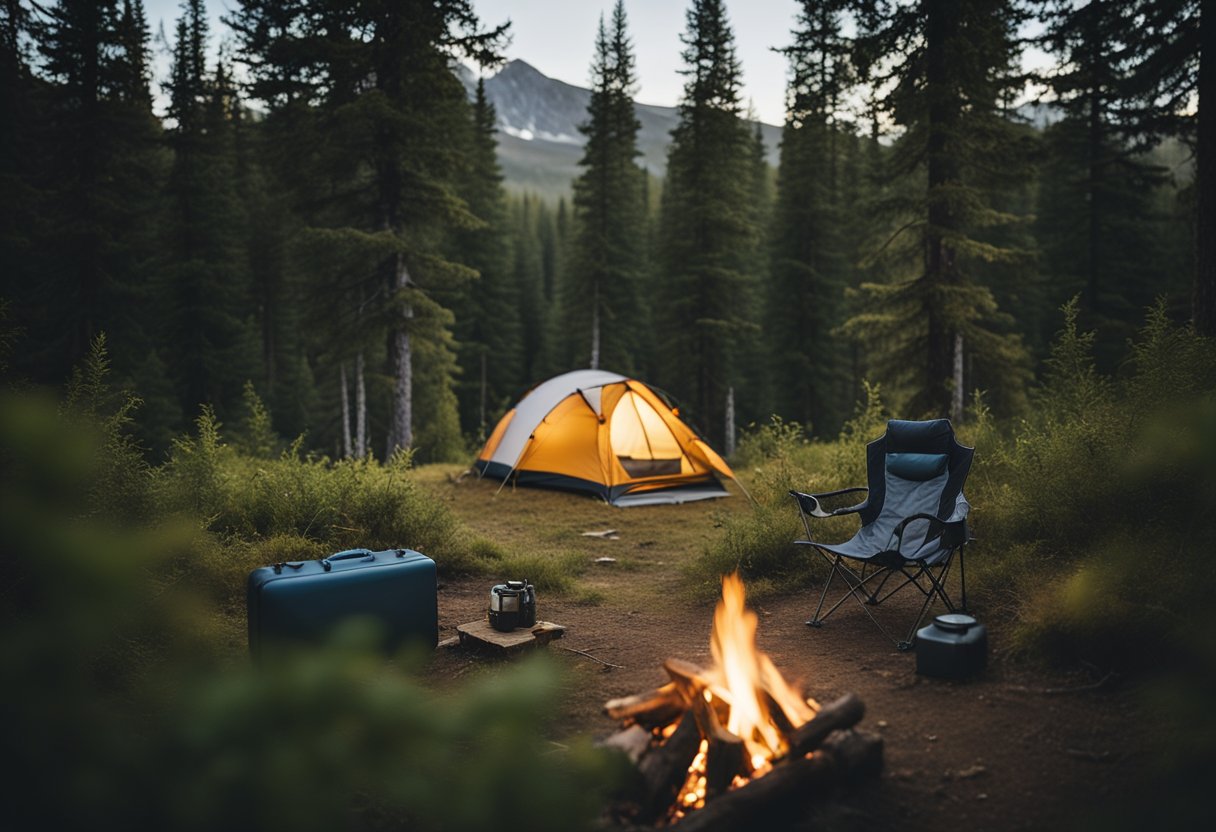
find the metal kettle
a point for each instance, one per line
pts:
(512, 605)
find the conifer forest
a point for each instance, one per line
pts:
(318, 213)
(266, 288)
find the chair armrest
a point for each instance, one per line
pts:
(953, 530)
(809, 505)
(961, 509)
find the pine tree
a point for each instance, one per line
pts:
(600, 306)
(206, 275)
(535, 310)
(808, 259)
(1095, 208)
(950, 62)
(707, 236)
(379, 74)
(20, 161)
(1172, 88)
(99, 188)
(487, 310)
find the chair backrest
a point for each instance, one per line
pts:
(915, 468)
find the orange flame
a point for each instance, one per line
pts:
(746, 680)
(742, 674)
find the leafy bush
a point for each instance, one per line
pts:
(121, 713)
(761, 543)
(342, 504)
(1107, 500)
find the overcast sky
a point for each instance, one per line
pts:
(558, 36)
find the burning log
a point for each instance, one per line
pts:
(740, 741)
(845, 712)
(789, 785)
(659, 707)
(663, 770)
(725, 755)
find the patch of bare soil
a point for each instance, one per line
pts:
(1017, 748)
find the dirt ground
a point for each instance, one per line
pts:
(1018, 748)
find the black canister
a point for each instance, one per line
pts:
(512, 605)
(954, 646)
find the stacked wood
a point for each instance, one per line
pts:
(824, 753)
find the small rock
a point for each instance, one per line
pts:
(882, 723)
(972, 771)
(931, 737)
(604, 560)
(982, 796)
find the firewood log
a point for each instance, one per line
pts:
(725, 755)
(787, 785)
(858, 754)
(845, 712)
(664, 769)
(659, 707)
(687, 678)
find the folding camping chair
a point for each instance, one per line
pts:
(913, 521)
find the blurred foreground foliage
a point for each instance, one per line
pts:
(126, 705)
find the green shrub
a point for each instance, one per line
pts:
(778, 459)
(343, 504)
(120, 713)
(1103, 501)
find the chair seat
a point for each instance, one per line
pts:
(869, 544)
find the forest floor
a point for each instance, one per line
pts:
(1020, 747)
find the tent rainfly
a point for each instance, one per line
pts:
(599, 432)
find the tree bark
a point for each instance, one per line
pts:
(481, 413)
(360, 409)
(595, 327)
(401, 432)
(1204, 302)
(728, 440)
(1093, 147)
(346, 449)
(956, 393)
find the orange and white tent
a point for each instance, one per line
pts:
(599, 432)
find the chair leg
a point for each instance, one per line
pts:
(908, 641)
(962, 576)
(816, 621)
(873, 599)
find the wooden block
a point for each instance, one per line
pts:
(481, 634)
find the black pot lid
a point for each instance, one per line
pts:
(955, 622)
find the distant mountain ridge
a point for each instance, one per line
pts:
(539, 143)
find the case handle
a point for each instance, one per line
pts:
(349, 554)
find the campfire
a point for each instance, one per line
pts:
(717, 746)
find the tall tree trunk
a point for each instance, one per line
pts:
(728, 444)
(956, 398)
(1205, 177)
(940, 271)
(481, 422)
(401, 430)
(345, 412)
(1094, 156)
(595, 326)
(360, 408)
